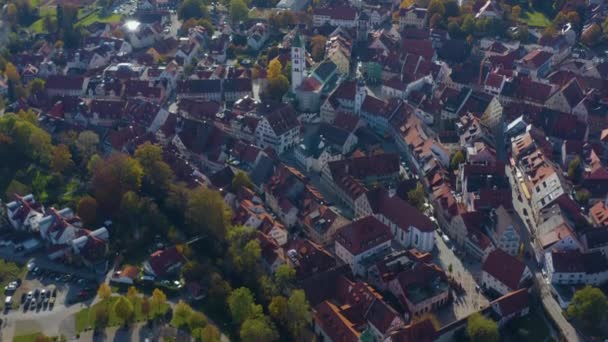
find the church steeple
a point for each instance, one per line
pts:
(298, 61)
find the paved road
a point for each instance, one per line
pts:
(467, 274)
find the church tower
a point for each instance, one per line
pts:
(298, 62)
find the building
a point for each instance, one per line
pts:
(164, 262)
(503, 231)
(24, 213)
(360, 240)
(535, 64)
(257, 36)
(424, 288)
(279, 129)
(342, 16)
(298, 62)
(512, 305)
(412, 16)
(410, 227)
(571, 267)
(503, 273)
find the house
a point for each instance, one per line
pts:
(237, 88)
(512, 305)
(504, 231)
(421, 289)
(251, 213)
(127, 275)
(409, 226)
(308, 258)
(257, 36)
(339, 49)
(503, 273)
(278, 128)
(207, 89)
(536, 64)
(343, 16)
(354, 310)
(322, 223)
(24, 212)
(164, 262)
(569, 99)
(330, 143)
(360, 240)
(60, 85)
(417, 331)
(570, 267)
(412, 16)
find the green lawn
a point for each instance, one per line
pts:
(8, 272)
(86, 317)
(27, 338)
(96, 17)
(537, 19)
(530, 328)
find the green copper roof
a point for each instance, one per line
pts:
(297, 40)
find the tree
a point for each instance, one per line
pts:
(244, 251)
(36, 86)
(436, 7)
(207, 213)
(196, 320)
(416, 196)
(209, 334)
(117, 175)
(284, 275)
(61, 159)
(481, 329)
(468, 24)
(582, 196)
(278, 87)
(242, 305)
(274, 69)
(145, 307)
(516, 12)
(192, 9)
(317, 47)
(158, 303)
(278, 308)
(157, 173)
(87, 210)
(10, 70)
(574, 169)
(101, 316)
(132, 294)
(181, 314)
(241, 179)
(457, 159)
(87, 143)
(258, 329)
(298, 312)
(589, 306)
(238, 10)
(104, 291)
(123, 309)
(591, 35)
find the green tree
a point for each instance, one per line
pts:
(416, 196)
(10, 71)
(123, 308)
(274, 69)
(244, 251)
(104, 291)
(101, 316)
(277, 87)
(196, 320)
(457, 159)
(591, 35)
(192, 9)
(481, 329)
(36, 86)
(158, 303)
(574, 169)
(87, 210)
(278, 309)
(117, 175)
(181, 314)
(468, 24)
(145, 307)
(298, 312)
(516, 12)
(207, 213)
(589, 306)
(241, 179)
(87, 143)
(258, 329)
(242, 305)
(238, 10)
(132, 294)
(436, 7)
(284, 276)
(157, 174)
(61, 159)
(210, 334)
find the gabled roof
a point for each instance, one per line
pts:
(513, 302)
(162, 260)
(398, 211)
(362, 235)
(505, 268)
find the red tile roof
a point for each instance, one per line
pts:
(362, 235)
(505, 268)
(513, 302)
(398, 211)
(536, 58)
(162, 260)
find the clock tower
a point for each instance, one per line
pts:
(298, 62)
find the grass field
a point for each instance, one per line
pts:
(85, 318)
(536, 19)
(96, 18)
(8, 272)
